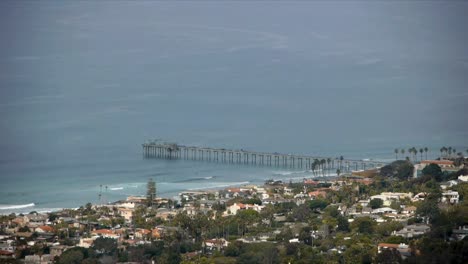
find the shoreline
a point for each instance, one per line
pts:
(30, 207)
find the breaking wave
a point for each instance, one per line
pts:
(220, 186)
(16, 206)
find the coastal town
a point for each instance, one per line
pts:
(394, 214)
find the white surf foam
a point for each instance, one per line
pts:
(219, 186)
(116, 188)
(16, 206)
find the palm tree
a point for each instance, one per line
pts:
(449, 151)
(454, 151)
(402, 153)
(441, 151)
(421, 151)
(445, 150)
(426, 150)
(328, 164)
(323, 162)
(396, 154)
(316, 163)
(410, 151)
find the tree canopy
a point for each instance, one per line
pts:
(376, 203)
(401, 169)
(433, 170)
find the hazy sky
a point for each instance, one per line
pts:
(294, 75)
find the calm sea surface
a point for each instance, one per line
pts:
(83, 85)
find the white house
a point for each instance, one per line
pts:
(450, 197)
(232, 210)
(463, 178)
(384, 210)
(217, 244)
(448, 184)
(126, 213)
(388, 197)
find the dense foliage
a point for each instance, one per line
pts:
(401, 169)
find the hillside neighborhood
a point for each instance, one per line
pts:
(394, 214)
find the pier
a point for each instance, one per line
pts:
(230, 156)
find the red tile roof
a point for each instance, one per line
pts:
(6, 253)
(103, 231)
(312, 182)
(144, 231)
(388, 245)
(47, 229)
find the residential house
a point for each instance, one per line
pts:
(389, 197)
(6, 254)
(142, 233)
(8, 245)
(105, 233)
(463, 178)
(384, 210)
(412, 230)
(39, 259)
(35, 219)
(460, 233)
(126, 213)
(165, 214)
(448, 184)
(441, 163)
(409, 210)
(232, 210)
(419, 197)
(86, 242)
(450, 197)
(364, 203)
(402, 248)
(317, 194)
(216, 244)
(44, 229)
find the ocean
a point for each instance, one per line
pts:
(84, 84)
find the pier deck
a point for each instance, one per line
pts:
(275, 159)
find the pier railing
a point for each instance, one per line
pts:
(175, 151)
